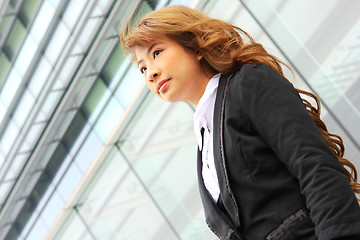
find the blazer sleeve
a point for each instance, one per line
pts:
(276, 111)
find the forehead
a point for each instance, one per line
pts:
(140, 50)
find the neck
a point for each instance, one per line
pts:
(201, 91)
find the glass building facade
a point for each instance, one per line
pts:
(86, 152)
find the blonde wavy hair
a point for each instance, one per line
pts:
(224, 50)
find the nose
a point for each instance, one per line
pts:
(152, 74)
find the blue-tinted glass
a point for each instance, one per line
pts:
(109, 119)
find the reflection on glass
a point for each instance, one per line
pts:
(73, 228)
(4, 190)
(26, 56)
(15, 39)
(57, 43)
(88, 152)
(50, 103)
(95, 100)
(5, 67)
(42, 21)
(108, 119)
(129, 86)
(10, 135)
(24, 108)
(119, 207)
(10, 88)
(3, 109)
(88, 31)
(73, 12)
(160, 147)
(40, 76)
(69, 182)
(38, 231)
(29, 9)
(48, 216)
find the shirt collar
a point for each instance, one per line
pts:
(203, 107)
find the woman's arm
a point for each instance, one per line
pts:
(278, 114)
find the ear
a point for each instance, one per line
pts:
(199, 57)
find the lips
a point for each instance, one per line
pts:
(160, 86)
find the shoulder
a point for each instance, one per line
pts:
(253, 79)
(258, 75)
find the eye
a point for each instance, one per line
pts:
(156, 53)
(142, 70)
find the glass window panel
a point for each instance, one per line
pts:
(113, 64)
(57, 43)
(117, 205)
(40, 76)
(73, 12)
(88, 32)
(156, 147)
(69, 182)
(88, 152)
(73, 228)
(104, 3)
(109, 119)
(4, 68)
(23, 109)
(129, 86)
(57, 158)
(54, 3)
(51, 101)
(10, 88)
(77, 49)
(15, 208)
(98, 11)
(4, 190)
(4, 23)
(52, 209)
(25, 147)
(15, 39)
(68, 70)
(182, 2)
(29, 224)
(26, 55)
(80, 139)
(41, 118)
(73, 129)
(38, 231)
(3, 110)
(29, 9)
(2, 157)
(31, 181)
(34, 133)
(10, 135)
(10, 175)
(17, 164)
(96, 100)
(42, 21)
(103, 49)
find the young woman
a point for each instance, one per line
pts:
(267, 166)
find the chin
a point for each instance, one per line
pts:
(169, 99)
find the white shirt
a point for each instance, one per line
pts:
(203, 118)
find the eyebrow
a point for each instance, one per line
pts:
(148, 51)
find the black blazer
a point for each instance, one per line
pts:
(271, 163)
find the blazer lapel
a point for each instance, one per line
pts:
(217, 221)
(219, 154)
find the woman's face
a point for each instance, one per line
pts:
(172, 72)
